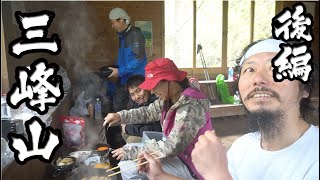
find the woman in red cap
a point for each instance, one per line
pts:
(183, 112)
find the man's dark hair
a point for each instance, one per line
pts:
(305, 103)
(134, 81)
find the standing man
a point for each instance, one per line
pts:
(132, 58)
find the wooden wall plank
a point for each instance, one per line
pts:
(87, 38)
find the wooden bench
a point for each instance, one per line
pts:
(222, 110)
(218, 109)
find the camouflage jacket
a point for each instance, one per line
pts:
(189, 118)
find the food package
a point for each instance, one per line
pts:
(73, 131)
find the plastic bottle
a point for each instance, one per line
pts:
(236, 98)
(97, 110)
(230, 73)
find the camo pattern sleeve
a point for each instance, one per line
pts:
(144, 114)
(189, 119)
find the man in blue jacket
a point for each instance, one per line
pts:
(132, 133)
(131, 54)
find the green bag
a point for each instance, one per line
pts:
(223, 90)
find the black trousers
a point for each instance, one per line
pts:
(120, 102)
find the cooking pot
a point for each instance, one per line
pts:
(105, 71)
(106, 154)
(59, 169)
(101, 152)
(88, 172)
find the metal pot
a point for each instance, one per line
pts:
(101, 153)
(88, 172)
(106, 154)
(59, 169)
(105, 71)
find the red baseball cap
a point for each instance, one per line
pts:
(161, 69)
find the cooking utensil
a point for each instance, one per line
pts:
(105, 133)
(102, 152)
(59, 169)
(105, 155)
(101, 130)
(88, 172)
(107, 125)
(106, 130)
(105, 71)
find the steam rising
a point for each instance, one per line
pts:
(78, 35)
(78, 32)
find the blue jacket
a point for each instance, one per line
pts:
(132, 58)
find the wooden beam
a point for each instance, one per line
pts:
(224, 55)
(4, 67)
(252, 6)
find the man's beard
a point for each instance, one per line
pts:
(268, 123)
